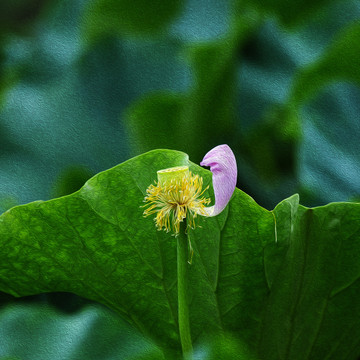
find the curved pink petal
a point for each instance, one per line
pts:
(222, 164)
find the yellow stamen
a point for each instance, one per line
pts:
(176, 196)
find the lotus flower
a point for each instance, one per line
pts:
(178, 194)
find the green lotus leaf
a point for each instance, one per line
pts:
(284, 283)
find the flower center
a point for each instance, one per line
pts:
(177, 195)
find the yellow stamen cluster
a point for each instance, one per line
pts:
(176, 196)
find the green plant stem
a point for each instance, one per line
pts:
(183, 308)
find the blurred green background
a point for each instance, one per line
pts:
(85, 85)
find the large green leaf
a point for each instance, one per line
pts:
(286, 291)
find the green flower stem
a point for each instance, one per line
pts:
(183, 308)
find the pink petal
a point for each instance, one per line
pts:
(222, 164)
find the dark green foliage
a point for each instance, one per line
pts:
(340, 62)
(37, 331)
(290, 13)
(155, 122)
(129, 17)
(71, 180)
(17, 15)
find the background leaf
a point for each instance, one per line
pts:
(204, 115)
(71, 180)
(289, 14)
(153, 120)
(127, 17)
(43, 331)
(339, 62)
